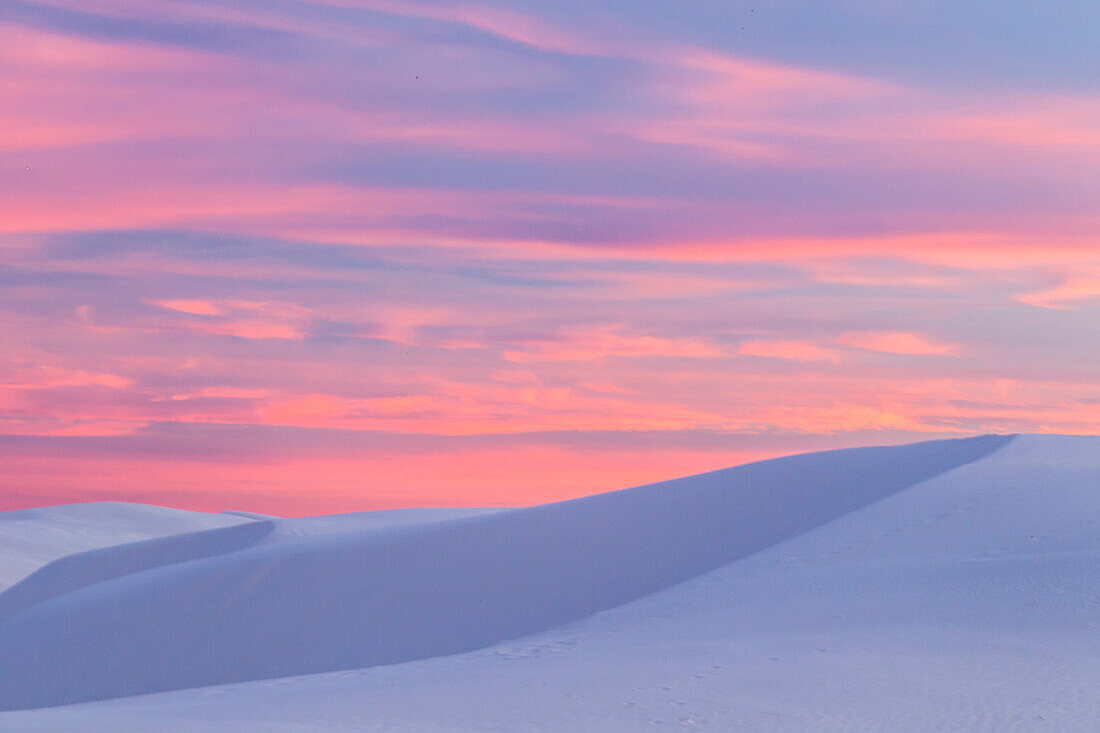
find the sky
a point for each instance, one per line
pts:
(311, 256)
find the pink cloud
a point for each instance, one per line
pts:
(895, 342)
(404, 325)
(515, 376)
(976, 249)
(511, 25)
(194, 307)
(277, 319)
(1072, 291)
(316, 409)
(250, 329)
(79, 204)
(1048, 121)
(225, 392)
(598, 342)
(65, 91)
(606, 388)
(50, 377)
(442, 407)
(793, 350)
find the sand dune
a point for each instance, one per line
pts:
(888, 587)
(30, 538)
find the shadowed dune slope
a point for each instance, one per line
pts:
(32, 538)
(360, 598)
(82, 569)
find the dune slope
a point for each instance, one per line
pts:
(31, 538)
(968, 601)
(308, 603)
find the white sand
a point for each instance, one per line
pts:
(942, 586)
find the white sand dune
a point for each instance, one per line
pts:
(30, 538)
(943, 585)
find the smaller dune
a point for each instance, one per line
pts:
(31, 538)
